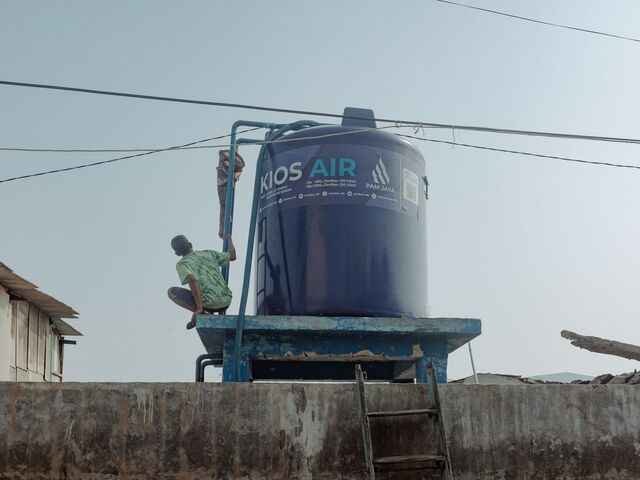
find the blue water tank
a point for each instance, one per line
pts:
(342, 225)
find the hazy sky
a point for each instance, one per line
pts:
(529, 245)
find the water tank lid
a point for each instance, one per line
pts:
(359, 117)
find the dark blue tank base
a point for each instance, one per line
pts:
(342, 260)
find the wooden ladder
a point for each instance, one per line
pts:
(439, 460)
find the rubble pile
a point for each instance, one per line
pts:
(632, 378)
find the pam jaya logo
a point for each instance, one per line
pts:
(379, 173)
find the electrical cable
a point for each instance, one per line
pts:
(518, 152)
(112, 160)
(420, 124)
(193, 145)
(541, 22)
(190, 145)
(121, 150)
(198, 147)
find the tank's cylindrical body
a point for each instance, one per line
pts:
(342, 225)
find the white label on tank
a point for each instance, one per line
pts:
(338, 174)
(410, 186)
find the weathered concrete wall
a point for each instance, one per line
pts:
(278, 431)
(544, 431)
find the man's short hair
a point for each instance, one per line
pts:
(180, 244)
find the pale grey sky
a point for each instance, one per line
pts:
(531, 246)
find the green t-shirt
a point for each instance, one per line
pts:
(205, 265)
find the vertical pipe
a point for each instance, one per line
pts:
(473, 367)
(237, 347)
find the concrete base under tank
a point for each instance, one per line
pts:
(301, 431)
(327, 348)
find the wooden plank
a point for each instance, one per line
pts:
(35, 376)
(55, 354)
(602, 345)
(43, 327)
(61, 356)
(409, 459)
(403, 413)
(5, 335)
(412, 462)
(47, 354)
(32, 348)
(22, 375)
(14, 334)
(22, 334)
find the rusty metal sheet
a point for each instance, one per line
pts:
(29, 291)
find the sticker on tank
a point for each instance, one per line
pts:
(339, 174)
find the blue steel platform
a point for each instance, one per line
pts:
(317, 348)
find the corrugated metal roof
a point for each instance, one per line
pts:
(64, 328)
(27, 290)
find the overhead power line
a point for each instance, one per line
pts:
(351, 132)
(127, 150)
(76, 150)
(541, 22)
(199, 147)
(191, 145)
(518, 152)
(470, 128)
(113, 160)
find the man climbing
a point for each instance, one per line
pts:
(207, 291)
(223, 173)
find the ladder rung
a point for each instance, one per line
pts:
(408, 460)
(403, 413)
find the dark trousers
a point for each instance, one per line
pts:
(222, 197)
(184, 298)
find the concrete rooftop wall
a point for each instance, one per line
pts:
(274, 431)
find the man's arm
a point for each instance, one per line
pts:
(195, 290)
(231, 248)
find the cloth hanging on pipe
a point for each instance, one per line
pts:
(223, 172)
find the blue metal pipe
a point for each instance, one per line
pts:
(228, 214)
(237, 346)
